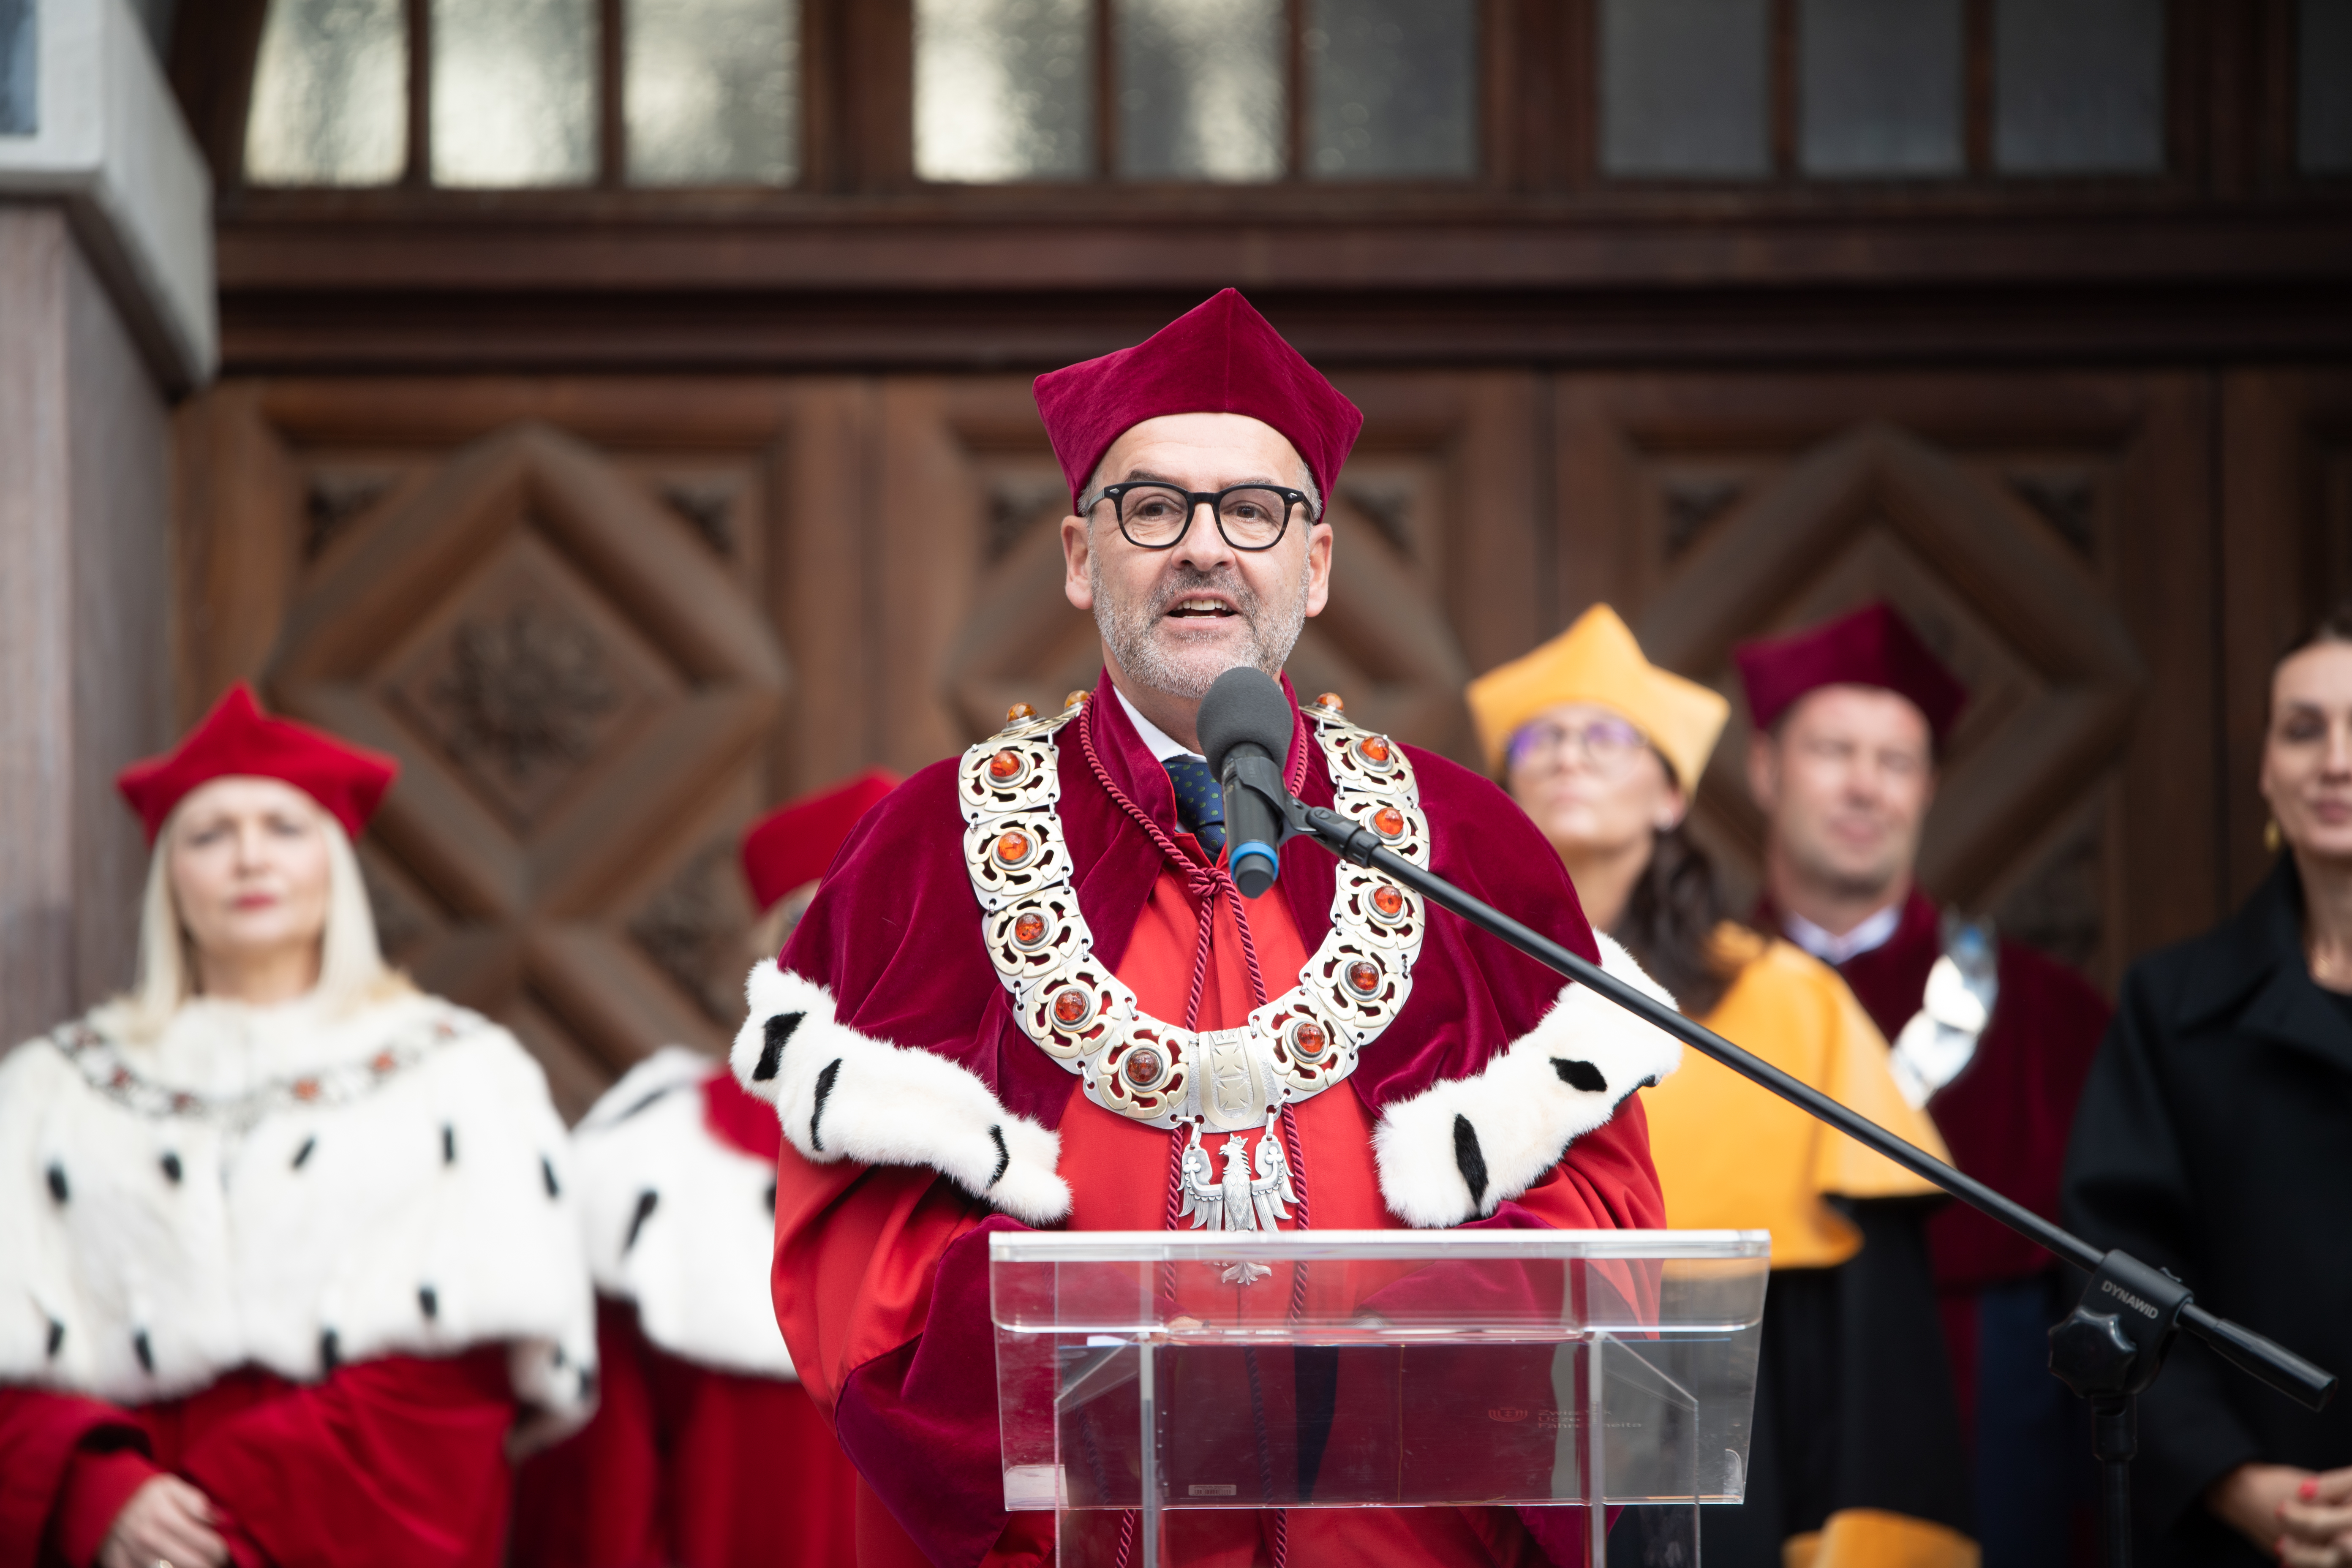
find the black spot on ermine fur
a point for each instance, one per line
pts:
(144, 1351)
(331, 1351)
(171, 1164)
(1470, 1160)
(448, 1143)
(428, 1301)
(774, 1036)
(303, 1154)
(1004, 1155)
(58, 1188)
(547, 1172)
(1580, 1075)
(56, 1337)
(824, 1093)
(648, 1201)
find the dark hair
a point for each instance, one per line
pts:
(2332, 625)
(1670, 920)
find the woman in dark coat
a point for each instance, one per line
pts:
(2215, 1140)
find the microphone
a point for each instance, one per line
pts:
(1246, 727)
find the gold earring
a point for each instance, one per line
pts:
(2272, 837)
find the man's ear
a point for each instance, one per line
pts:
(1319, 544)
(1764, 771)
(1077, 550)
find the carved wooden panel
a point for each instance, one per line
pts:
(2046, 534)
(554, 603)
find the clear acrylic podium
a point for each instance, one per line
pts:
(1147, 1379)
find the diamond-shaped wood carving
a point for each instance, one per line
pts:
(2052, 672)
(578, 694)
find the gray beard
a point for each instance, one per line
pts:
(1130, 631)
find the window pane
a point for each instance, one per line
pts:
(19, 82)
(2078, 86)
(514, 92)
(1392, 88)
(1881, 88)
(1682, 88)
(1003, 90)
(2324, 87)
(1201, 89)
(711, 91)
(330, 95)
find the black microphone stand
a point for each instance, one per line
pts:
(2108, 1351)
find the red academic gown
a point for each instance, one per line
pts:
(2005, 1118)
(400, 1460)
(688, 1463)
(880, 1271)
(390, 1172)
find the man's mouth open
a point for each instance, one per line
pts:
(1200, 609)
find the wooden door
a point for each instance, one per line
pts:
(2049, 535)
(606, 621)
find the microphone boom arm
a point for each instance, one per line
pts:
(2135, 1345)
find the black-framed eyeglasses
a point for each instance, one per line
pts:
(1156, 516)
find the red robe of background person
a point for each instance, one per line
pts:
(880, 1268)
(705, 1451)
(2007, 1115)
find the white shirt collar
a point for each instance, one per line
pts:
(1162, 746)
(1833, 949)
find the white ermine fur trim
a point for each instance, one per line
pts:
(326, 1189)
(680, 1222)
(1456, 1150)
(843, 1095)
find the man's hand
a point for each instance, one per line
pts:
(166, 1521)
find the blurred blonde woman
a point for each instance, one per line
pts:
(1855, 1455)
(287, 1262)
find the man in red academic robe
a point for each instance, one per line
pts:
(1992, 1037)
(705, 1452)
(990, 1015)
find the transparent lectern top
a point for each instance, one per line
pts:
(1353, 1368)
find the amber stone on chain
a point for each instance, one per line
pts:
(1389, 822)
(1013, 847)
(1018, 711)
(1364, 976)
(1029, 930)
(1144, 1067)
(1387, 901)
(1005, 765)
(1330, 699)
(1307, 1040)
(1375, 748)
(1074, 698)
(1071, 1006)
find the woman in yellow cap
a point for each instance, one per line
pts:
(1856, 1456)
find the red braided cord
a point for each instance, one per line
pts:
(1126, 1536)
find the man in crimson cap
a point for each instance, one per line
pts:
(995, 1014)
(705, 1452)
(1993, 1038)
(289, 1266)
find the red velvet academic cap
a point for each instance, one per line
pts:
(237, 738)
(795, 842)
(1221, 357)
(1872, 647)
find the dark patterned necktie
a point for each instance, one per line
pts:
(1200, 802)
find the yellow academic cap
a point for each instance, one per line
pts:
(1597, 660)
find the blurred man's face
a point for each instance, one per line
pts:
(1845, 785)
